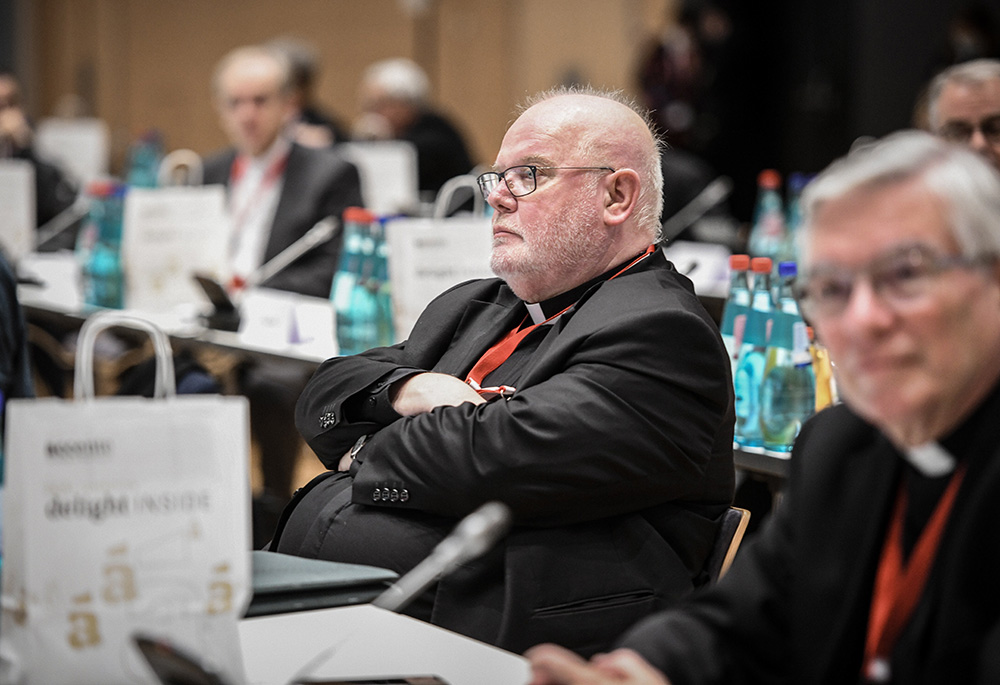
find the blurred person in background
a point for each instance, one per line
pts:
(312, 125)
(54, 193)
(395, 100)
(963, 106)
(277, 188)
(277, 191)
(880, 566)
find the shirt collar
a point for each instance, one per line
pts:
(978, 433)
(541, 311)
(931, 459)
(279, 148)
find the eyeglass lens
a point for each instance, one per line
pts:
(897, 277)
(520, 180)
(961, 131)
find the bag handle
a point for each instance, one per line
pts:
(443, 200)
(184, 160)
(165, 384)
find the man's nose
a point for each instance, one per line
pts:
(866, 308)
(501, 199)
(978, 141)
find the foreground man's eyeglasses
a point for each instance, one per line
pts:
(899, 277)
(522, 180)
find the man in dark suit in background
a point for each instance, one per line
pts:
(54, 193)
(394, 97)
(277, 191)
(587, 388)
(881, 564)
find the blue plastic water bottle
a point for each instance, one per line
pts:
(354, 301)
(385, 328)
(750, 367)
(788, 391)
(144, 159)
(98, 247)
(768, 229)
(734, 312)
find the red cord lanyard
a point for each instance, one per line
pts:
(501, 350)
(270, 177)
(898, 586)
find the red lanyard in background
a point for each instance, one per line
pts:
(271, 177)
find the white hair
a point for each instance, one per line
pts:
(400, 79)
(650, 201)
(252, 52)
(974, 72)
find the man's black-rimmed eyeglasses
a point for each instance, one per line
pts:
(522, 180)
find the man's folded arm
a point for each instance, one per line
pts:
(627, 424)
(346, 398)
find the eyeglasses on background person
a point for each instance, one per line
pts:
(961, 131)
(899, 277)
(522, 180)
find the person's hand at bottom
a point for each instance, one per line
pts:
(553, 665)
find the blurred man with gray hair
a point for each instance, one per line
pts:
(881, 564)
(395, 98)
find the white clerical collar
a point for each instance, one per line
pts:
(535, 312)
(930, 459)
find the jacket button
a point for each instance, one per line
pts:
(327, 420)
(377, 495)
(394, 496)
(404, 495)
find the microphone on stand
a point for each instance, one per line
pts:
(315, 236)
(711, 195)
(473, 536)
(62, 221)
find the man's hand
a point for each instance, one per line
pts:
(552, 665)
(420, 393)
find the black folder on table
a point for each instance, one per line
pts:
(283, 583)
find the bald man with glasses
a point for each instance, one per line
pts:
(964, 106)
(585, 387)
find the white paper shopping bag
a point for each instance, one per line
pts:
(17, 208)
(123, 516)
(170, 234)
(428, 256)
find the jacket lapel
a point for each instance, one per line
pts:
(292, 189)
(482, 325)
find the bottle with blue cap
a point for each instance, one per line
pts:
(788, 388)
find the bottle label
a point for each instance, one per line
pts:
(739, 327)
(800, 345)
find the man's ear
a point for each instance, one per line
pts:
(621, 196)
